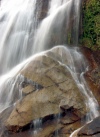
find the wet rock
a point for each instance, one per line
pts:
(52, 127)
(28, 89)
(93, 75)
(91, 129)
(3, 117)
(59, 90)
(44, 9)
(5, 114)
(46, 93)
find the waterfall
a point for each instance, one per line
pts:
(51, 26)
(22, 34)
(18, 23)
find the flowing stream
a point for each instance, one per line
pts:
(23, 33)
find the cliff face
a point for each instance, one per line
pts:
(90, 36)
(93, 75)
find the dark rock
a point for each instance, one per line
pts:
(90, 129)
(93, 74)
(44, 9)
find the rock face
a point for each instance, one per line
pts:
(48, 89)
(44, 9)
(89, 130)
(93, 75)
(64, 127)
(93, 78)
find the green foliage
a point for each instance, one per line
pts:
(91, 24)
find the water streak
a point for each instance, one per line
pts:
(78, 68)
(57, 118)
(37, 125)
(52, 29)
(10, 90)
(17, 24)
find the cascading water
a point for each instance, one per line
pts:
(18, 23)
(53, 26)
(21, 36)
(78, 68)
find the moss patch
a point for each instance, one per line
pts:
(91, 24)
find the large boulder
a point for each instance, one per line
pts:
(48, 89)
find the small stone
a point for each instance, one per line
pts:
(28, 89)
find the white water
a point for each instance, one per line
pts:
(74, 134)
(53, 25)
(55, 4)
(17, 27)
(57, 118)
(10, 85)
(37, 125)
(20, 38)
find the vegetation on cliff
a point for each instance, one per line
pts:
(91, 24)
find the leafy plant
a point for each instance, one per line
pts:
(91, 24)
